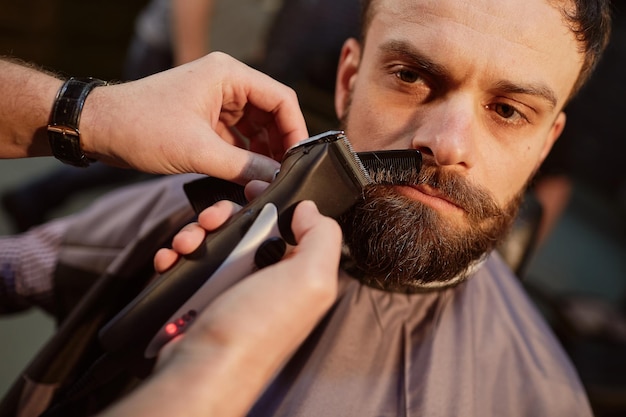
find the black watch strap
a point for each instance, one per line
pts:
(63, 132)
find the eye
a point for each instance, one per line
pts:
(505, 111)
(407, 81)
(508, 113)
(407, 75)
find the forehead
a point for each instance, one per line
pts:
(528, 39)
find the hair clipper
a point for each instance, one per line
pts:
(323, 169)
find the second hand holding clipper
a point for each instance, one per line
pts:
(323, 169)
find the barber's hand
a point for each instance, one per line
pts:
(182, 120)
(271, 311)
(220, 366)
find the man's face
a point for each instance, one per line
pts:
(477, 87)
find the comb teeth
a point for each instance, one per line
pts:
(396, 167)
(362, 173)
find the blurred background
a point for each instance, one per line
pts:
(576, 270)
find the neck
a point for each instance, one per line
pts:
(349, 265)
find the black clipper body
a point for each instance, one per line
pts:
(323, 169)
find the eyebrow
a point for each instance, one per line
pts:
(415, 58)
(536, 90)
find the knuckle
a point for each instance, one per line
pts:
(319, 283)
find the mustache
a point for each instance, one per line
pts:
(476, 201)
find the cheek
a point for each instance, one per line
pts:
(508, 172)
(374, 123)
(365, 129)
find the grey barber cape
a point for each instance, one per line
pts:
(479, 349)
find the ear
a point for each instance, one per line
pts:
(346, 74)
(553, 135)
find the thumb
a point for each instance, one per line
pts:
(236, 164)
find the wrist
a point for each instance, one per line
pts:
(213, 370)
(106, 123)
(94, 133)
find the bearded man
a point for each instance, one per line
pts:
(428, 319)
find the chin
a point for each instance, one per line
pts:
(399, 243)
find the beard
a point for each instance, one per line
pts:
(399, 244)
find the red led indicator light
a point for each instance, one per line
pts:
(171, 329)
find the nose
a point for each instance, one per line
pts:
(447, 132)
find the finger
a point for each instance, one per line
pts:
(164, 259)
(261, 130)
(281, 102)
(317, 235)
(315, 258)
(213, 217)
(188, 239)
(307, 278)
(234, 163)
(254, 189)
(191, 236)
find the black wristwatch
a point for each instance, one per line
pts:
(63, 132)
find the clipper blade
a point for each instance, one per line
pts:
(395, 167)
(361, 172)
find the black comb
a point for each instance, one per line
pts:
(395, 167)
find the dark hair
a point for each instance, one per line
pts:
(589, 20)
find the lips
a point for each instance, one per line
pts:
(433, 196)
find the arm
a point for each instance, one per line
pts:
(26, 99)
(28, 263)
(221, 365)
(176, 121)
(191, 21)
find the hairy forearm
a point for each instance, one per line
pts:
(26, 99)
(27, 95)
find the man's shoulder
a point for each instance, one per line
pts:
(505, 322)
(495, 294)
